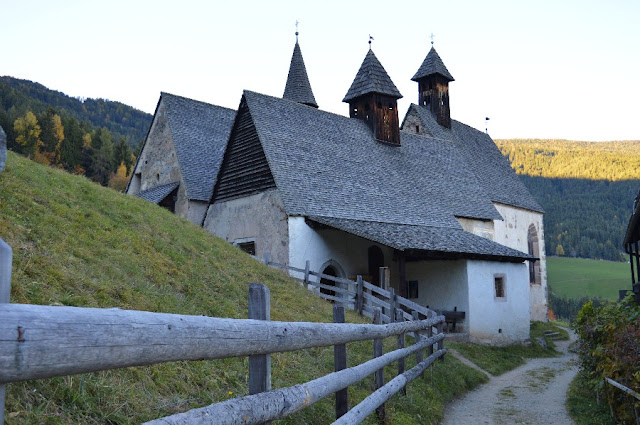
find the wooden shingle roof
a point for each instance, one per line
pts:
(371, 78)
(432, 64)
(298, 88)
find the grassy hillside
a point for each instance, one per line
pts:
(76, 243)
(580, 277)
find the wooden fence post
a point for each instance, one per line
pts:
(441, 342)
(400, 318)
(307, 269)
(429, 335)
(259, 365)
(340, 363)
(266, 258)
(385, 275)
(392, 306)
(377, 352)
(5, 292)
(359, 295)
(414, 315)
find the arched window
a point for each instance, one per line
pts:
(376, 260)
(534, 249)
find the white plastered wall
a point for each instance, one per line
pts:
(442, 285)
(513, 232)
(320, 247)
(492, 319)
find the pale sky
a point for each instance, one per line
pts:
(538, 69)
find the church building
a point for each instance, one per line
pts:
(432, 199)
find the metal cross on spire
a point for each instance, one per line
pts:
(297, 30)
(432, 37)
(370, 39)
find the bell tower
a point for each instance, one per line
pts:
(373, 98)
(433, 87)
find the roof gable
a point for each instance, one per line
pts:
(371, 78)
(330, 166)
(298, 88)
(490, 167)
(432, 64)
(200, 132)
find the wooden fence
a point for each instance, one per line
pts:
(38, 342)
(358, 295)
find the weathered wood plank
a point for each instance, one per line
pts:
(331, 278)
(377, 352)
(6, 256)
(276, 404)
(340, 363)
(346, 301)
(369, 404)
(45, 341)
(259, 365)
(336, 289)
(359, 294)
(401, 365)
(418, 338)
(307, 269)
(623, 388)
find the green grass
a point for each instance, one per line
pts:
(498, 360)
(580, 277)
(583, 407)
(78, 244)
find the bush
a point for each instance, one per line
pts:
(609, 347)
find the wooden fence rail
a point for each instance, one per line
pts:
(358, 294)
(39, 342)
(45, 341)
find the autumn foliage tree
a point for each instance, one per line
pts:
(27, 132)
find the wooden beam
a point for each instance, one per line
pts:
(377, 352)
(401, 366)
(6, 257)
(260, 364)
(369, 404)
(340, 363)
(59, 341)
(275, 404)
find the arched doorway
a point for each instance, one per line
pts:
(376, 260)
(330, 271)
(534, 249)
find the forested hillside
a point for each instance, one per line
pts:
(92, 137)
(586, 188)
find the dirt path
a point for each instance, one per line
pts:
(532, 394)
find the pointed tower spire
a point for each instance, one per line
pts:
(433, 79)
(298, 87)
(373, 98)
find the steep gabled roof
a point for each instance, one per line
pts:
(328, 165)
(432, 64)
(483, 158)
(200, 132)
(298, 88)
(371, 78)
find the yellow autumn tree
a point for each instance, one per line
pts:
(28, 134)
(119, 179)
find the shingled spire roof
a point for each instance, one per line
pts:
(298, 87)
(371, 78)
(432, 65)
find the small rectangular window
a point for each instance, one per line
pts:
(499, 286)
(413, 289)
(417, 129)
(248, 247)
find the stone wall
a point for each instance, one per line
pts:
(260, 218)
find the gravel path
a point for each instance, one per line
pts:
(532, 394)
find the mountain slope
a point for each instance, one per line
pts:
(586, 189)
(76, 243)
(19, 96)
